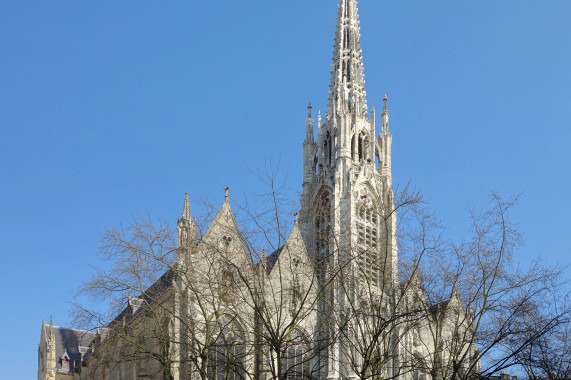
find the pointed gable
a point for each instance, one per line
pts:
(223, 240)
(292, 255)
(291, 286)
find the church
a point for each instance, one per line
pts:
(327, 304)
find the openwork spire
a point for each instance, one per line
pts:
(347, 75)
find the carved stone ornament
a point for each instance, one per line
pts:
(364, 198)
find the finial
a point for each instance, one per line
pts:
(455, 286)
(385, 102)
(309, 108)
(227, 189)
(295, 215)
(186, 208)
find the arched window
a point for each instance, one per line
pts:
(226, 357)
(368, 255)
(419, 369)
(142, 357)
(328, 149)
(297, 361)
(165, 343)
(354, 155)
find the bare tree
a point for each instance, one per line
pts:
(478, 300)
(209, 303)
(220, 308)
(377, 317)
(543, 346)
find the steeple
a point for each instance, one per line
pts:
(347, 88)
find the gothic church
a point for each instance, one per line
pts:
(327, 305)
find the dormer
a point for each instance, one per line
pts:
(65, 361)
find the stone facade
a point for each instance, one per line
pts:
(313, 306)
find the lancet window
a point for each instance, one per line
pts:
(328, 149)
(360, 147)
(323, 225)
(226, 357)
(296, 361)
(368, 257)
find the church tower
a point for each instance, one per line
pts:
(348, 218)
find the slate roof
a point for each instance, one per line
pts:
(272, 259)
(70, 340)
(153, 293)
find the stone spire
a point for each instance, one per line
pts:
(186, 208)
(347, 89)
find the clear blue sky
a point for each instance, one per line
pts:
(113, 108)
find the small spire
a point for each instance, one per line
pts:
(319, 118)
(385, 117)
(51, 335)
(186, 208)
(296, 215)
(309, 108)
(227, 190)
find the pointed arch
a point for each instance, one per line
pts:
(368, 226)
(226, 359)
(297, 359)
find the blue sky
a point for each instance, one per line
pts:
(114, 108)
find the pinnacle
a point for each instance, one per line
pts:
(186, 208)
